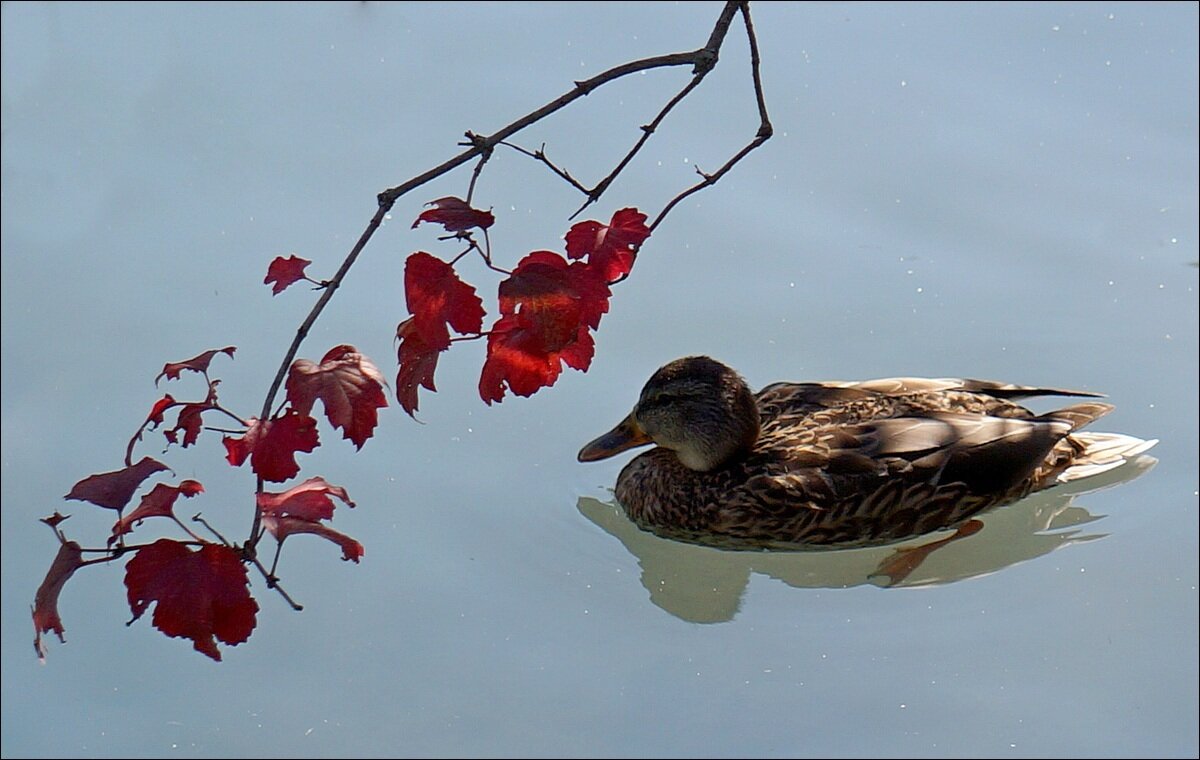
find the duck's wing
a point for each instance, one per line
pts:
(989, 454)
(906, 386)
(787, 399)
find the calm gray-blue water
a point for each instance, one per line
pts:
(1005, 191)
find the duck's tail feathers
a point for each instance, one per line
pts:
(1078, 415)
(1103, 452)
(1009, 390)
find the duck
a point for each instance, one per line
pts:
(812, 465)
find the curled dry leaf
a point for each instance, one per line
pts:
(114, 489)
(45, 604)
(456, 215)
(54, 519)
(299, 510)
(282, 527)
(190, 422)
(160, 502)
(309, 501)
(155, 418)
(199, 363)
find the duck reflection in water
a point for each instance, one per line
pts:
(864, 467)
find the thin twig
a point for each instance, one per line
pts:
(186, 529)
(275, 561)
(594, 194)
(484, 155)
(540, 155)
(765, 130)
(273, 582)
(197, 518)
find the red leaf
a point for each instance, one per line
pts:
(199, 594)
(54, 519)
(307, 501)
(435, 297)
(298, 510)
(285, 272)
(190, 422)
(518, 357)
(156, 411)
(114, 489)
(45, 604)
(195, 364)
(555, 294)
(282, 527)
(548, 306)
(160, 502)
(417, 364)
(455, 215)
(271, 446)
(610, 248)
(348, 384)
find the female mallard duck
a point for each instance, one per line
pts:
(840, 464)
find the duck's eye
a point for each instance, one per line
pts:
(661, 398)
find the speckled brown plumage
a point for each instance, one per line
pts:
(840, 464)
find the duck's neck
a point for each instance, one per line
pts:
(718, 445)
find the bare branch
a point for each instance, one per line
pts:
(273, 582)
(765, 130)
(594, 194)
(540, 155)
(485, 154)
(197, 518)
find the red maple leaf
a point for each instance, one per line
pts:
(160, 502)
(308, 501)
(196, 364)
(348, 384)
(271, 446)
(556, 295)
(298, 510)
(114, 489)
(436, 297)
(285, 272)
(548, 306)
(199, 594)
(456, 215)
(612, 247)
(518, 358)
(417, 364)
(45, 604)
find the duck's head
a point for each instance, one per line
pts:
(696, 407)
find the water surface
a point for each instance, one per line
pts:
(997, 191)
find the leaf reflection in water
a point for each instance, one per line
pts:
(702, 584)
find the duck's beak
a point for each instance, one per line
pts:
(626, 435)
